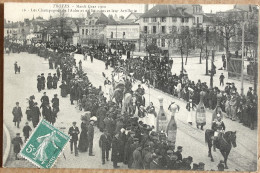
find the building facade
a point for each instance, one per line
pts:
(160, 22)
(93, 30)
(124, 34)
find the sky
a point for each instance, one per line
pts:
(18, 11)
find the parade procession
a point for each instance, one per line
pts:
(125, 110)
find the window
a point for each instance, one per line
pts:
(7, 31)
(163, 29)
(154, 29)
(163, 42)
(154, 19)
(154, 40)
(145, 29)
(82, 31)
(174, 28)
(93, 31)
(146, 19)
(86, 31)
(198, 21)
(182, 20)
(163, 19)
(123, 34)
(174, 19)
(111, 35)
(186, 19)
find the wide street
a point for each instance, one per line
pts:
(20, 86)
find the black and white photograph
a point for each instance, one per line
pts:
(134, 86)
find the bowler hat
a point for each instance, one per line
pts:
(179, 147)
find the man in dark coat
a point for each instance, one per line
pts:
(63, 89)
(115, 151)
(178, 153)
(15, 67)
(47, 113)
(55, 103)
(130, 141)
(91, 136)
(55, 80)
(58, 72)
(49, 81)
(35, 114)
(39, 83)
(26, 131)
(17, 142)
(43, 81)
(105, 145)
(132, 149)
(44, 100)
(17, 113)
(73, 132)
(137, 159)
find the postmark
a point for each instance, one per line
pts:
(45, 145)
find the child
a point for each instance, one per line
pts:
(26, 131)
(17, 142)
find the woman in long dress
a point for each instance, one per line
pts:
(45, 140)
(83, 139)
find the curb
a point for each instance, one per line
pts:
(8, 145)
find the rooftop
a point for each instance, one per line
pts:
(166, 11)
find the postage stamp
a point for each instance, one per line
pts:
(45, 145)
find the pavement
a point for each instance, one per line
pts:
(21, 86)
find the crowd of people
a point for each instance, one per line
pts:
(132, 142)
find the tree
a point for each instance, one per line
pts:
(200, 40)
(227, 27)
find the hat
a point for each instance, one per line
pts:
(174, 157)
(17, 134)
(136, 139)
(17, 103)
(169, 152)
(201, 164)
(44, 92)
(179, 147)
(38, 76)
(26, 123)
(228, 83)
(93, 119)
(74, 122)
(54, 74)
(42, 74)
(55, 94)
(195, 166)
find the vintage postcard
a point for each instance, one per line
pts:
(131, 86)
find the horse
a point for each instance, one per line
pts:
(127, 101)
(224, 143)
(118, 95)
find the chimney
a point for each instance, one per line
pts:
(145, 8)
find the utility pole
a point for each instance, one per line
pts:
(207, 41)
(242, 62)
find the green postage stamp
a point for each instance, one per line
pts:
(45, 145)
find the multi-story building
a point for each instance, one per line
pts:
(94, 28)
(123, 34)
(160, 21)
(11, 29)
